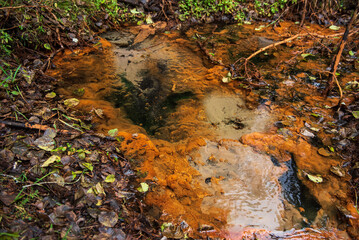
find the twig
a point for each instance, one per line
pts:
(303, 13)
(339, 54)
(32, 126)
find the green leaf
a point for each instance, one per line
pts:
(82, 155)
(304, 55)
(15, 93)
(47, 46)
(315, 179)
(143, 188)
(50, 160)
(71, 102)
(260, 28)
(315, 115)
(89, 166)
(149, 19)
(165, 225)
(356, 114)
(50, 95)
(335, 28)
(351, 53)
(110, 178)
(134, 11)
(113, 132)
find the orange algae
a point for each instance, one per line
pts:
(177, 193)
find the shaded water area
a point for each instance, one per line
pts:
(226, 161)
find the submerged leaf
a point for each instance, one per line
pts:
(315, 179)
(324, 152)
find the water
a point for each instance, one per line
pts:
(165, 88)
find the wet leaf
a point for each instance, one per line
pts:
(143, 187)
(307, 133)
(99, 112)
(260, 28)
(338, 171)
(89, 166)
(79, 92)
(71, 102)
(113, 132)
(50, 95)
(356, 114)
(108, 219)
(315, 178)
(333, 27)
(50, 160)
(110, 178)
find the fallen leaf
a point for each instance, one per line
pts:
(315, 179)
(50, 95)
(356, 114)
(87, 165)
(333, 27)
(307, 133)
(108, 219)
(113, 132)
(110, 178)
(99, 112)
(143, 187)
(50, 160)
(338, 171)
(71, 102)
(99, 189)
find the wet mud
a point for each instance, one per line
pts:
(221, 159)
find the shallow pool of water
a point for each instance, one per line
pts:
(164, 87)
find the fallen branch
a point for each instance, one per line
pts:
(32, 126)
(334, 67)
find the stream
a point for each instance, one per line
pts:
(223, 160)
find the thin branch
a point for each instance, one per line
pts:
(339, 55)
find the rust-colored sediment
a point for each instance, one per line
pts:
(177, 193)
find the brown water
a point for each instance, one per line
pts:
(219, 163)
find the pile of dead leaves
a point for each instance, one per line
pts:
(63, 181)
